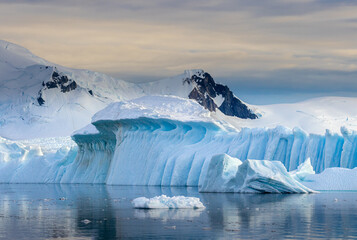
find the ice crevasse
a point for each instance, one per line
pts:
(165, 140)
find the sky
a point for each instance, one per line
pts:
(250, 45)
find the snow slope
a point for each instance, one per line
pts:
(42, 99)
(314, 115)
(25, 78)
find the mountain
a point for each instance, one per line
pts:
(200, 86)
(42, 99)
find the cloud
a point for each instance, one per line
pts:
(293, 80)
(276, 40)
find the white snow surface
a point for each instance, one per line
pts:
(167, 202)
(333, 179)
(226, 174)
(156, 107)
(87, 130)
(315, 115)
(22, 77)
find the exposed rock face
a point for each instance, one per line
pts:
(58, 80)
(206, 92)
(61, 81)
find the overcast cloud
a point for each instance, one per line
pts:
(308, 45)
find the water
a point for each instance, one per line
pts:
(53, 211)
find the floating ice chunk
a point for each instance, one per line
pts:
(86, 221)
(252, 176)
(303, 170)
(167, 202)
(264, 176)
(221, 170)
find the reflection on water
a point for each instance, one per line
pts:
(38, 211)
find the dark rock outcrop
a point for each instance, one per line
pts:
(58, 80)
(61, 81)
(206, 90)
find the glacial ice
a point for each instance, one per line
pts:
(154, 148)
(42, 161)
(222, 169)
(156, 141)
(226, 174)
(304, 169)
(330, 179)
(167, 202)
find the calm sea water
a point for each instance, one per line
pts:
(39, 211)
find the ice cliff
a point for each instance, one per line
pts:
(158, 141)
(170, 141)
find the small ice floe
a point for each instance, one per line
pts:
(170, 227)
(167, 202)
(86, 221)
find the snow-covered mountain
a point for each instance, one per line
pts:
(200, 86)
(43, 99)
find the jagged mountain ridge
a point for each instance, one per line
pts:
(206, 91)
(43, 99)
(199, 85)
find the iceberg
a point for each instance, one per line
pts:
(155, 140)
(227, 174)
(171, 141)
(221, 171)
(167, 202)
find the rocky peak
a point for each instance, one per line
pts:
(57, 80)
(212, 95)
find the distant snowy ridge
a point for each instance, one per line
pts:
(37, 96)
(42, 99)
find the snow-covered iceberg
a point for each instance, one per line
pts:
(169, 141)
(164, 201)
(227, 174)
(163, 140)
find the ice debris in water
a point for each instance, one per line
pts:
(164, 201)
(228, 174)
(86, 221)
